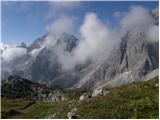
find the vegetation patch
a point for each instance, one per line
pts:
(136, 100)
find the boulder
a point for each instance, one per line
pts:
(97, 92)
(84, 96)
(72, 114)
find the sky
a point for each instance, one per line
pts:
(27, 21)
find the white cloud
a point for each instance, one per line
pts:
(11, 53)
(36, 51)
(137, 19)
(153, 33)
(59, 27)
(96, 41)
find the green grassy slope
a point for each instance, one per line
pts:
(136, 100)
(11, 107)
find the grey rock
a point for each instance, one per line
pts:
(17, 87)
(97, 92)
(72, 114)
(22, 45)
(132, 60)
(84, 96)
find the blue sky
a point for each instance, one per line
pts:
(26, 21)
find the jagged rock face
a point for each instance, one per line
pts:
(135, 57)
(17, 87)
(37, 43)
(142, 56)
(46, 67)
(133, 54)
(69, 40)
(43, 66)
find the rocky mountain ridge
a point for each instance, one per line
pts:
(134, 58)
(16, 87)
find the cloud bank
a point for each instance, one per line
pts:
(10, 53)
(139, 19)
(153, 33)
(95, 43)
(136, 17)
(57, 29)
(96, 39)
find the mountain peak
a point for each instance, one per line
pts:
(17, 80)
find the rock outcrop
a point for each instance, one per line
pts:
(17, 87)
